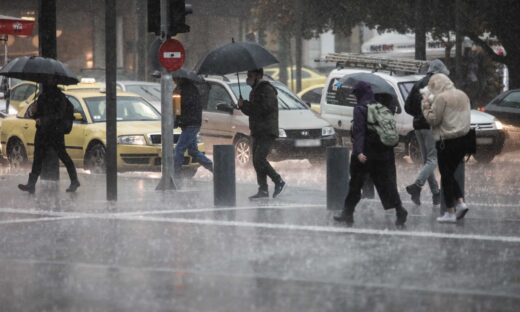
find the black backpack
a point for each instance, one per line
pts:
(68, 116)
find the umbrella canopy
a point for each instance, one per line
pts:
(187, 74)
(235, 57)
(378, 84)
(15, 26)
(38, 69)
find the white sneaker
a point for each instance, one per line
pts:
(461, 209)
(447, 218)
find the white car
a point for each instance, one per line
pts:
(490, 136)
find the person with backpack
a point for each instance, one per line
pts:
(54, 115)
(374, 136)
(448, 111)
(424, 136)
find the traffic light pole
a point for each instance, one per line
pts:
(167, 117)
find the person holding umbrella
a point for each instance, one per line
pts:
(262, 109)
(190, 122)
(49, 115)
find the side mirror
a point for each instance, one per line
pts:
(224, 107)
(78, 117)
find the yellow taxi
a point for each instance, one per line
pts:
(138, 130)
(312, 97)
(309, 77)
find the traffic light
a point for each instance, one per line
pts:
(178, 9)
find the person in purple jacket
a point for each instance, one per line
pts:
(370, 157)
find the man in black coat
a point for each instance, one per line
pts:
(190, 122)
(49, 115)
(370, 156)
(262, 109)
(424, 136)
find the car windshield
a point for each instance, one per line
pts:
(149, 92)
(286, 99)
(129, 108)
(406, 88)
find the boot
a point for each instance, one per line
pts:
(401, 215)
(415, 191)
(31, 184)
(260, 195)
(74, 184)
(345, 216)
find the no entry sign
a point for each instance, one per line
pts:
(171, 54)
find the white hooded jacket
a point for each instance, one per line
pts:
(449, 112)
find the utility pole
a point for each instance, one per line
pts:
(111, 99)
(420, 30)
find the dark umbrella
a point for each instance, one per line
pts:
(378, 84)
(187, 74)
(38, 69)
(235, 57)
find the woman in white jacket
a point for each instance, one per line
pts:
(447, 110)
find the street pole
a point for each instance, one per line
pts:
(167, 117)
(111, 99)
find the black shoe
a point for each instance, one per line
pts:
(27, 188)
(278, 188)
(415, 191)
(259, 195)
(436, 199)
(346, 217)
(401, 215)
(73, 186)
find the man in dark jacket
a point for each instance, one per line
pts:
(424, 136)
(262, 109)
(49, 115)
(190, 122)
(370, 155)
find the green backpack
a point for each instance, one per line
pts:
(381, 120)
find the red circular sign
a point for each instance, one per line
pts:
(172, 55)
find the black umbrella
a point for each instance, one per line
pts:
(235, 57)
(378, 84)
(187, 74)
(38, 69)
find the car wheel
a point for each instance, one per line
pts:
(95, 158)
(243, 151)
(414, 151)
(484, 158)
(16, 154)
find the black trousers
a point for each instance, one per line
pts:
(261, 149)
(49, 139)
(450, 153)
(383, 175)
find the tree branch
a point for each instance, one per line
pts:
(495, 57)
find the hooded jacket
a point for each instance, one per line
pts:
(449, 114)
(262, 109)
(364, 140)
(413, 101)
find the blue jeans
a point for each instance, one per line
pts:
(429, 155)
(188, 141)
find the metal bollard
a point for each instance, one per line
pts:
(337, 176)
(459, 177)
(224, 183)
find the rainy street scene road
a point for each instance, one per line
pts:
(259, 155)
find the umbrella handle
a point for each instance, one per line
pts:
(239, 90)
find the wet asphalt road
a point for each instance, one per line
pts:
(173, 251)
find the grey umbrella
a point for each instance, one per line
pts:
(187, 74)
(383, 90)
(38, 69)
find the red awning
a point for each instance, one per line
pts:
(15, 26)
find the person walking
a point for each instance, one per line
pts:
(190, 122)
(50, 115)
(370, 155)
(262, 109)
(447, 110)
(424, 136)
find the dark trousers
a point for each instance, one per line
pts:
(383, 175)
(261, 148)
(450, 154)
(43, 141)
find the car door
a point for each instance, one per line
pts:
(507, 110)
(28, 130)
(338, 108)
(217, 125)
(74, 141)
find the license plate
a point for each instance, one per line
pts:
(484, 141)
(307, 143)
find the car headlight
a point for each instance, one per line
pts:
(499, 125)
(327, 131)
(131, 140)
(281, 133)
